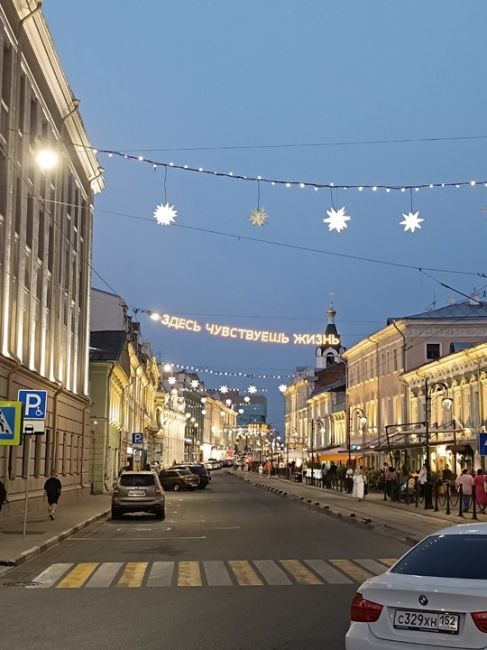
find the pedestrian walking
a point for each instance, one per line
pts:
(480, 482)
(349, 479)
(465, 480)
(261, 469)
(422, 479)
(359, 484)
(52, 488)
(3, 495)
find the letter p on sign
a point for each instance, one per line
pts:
(35, 404)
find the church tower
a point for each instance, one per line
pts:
(328, 354)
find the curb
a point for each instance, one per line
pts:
(352, 517)
(52, 541)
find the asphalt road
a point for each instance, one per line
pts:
(232, 566)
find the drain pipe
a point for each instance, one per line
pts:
(83, 435)
(406, 401)
(59, 390)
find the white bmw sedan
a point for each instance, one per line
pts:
(435, 596)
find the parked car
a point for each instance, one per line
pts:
(178, 479)
(200, 471)
(435, 596)
(215, 464)
(227, 462)
(138, 491)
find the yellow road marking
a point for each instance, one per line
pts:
(78, 576)
(388, 561)
(246, 576)
(354, 571)
(133, 574)
(189, 574)
(300, 573)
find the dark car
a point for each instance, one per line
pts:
(178, 479)
(200, 471)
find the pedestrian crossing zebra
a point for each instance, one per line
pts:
(208, 573)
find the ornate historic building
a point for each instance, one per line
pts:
(45, 249)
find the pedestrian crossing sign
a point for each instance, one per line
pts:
(10, 423)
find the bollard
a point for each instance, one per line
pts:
(448, 498)
(416, 492)
(460, 502)
(474, 504)
(436, 496)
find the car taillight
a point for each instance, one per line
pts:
(364, 611)
(158, 492)
(480, 620)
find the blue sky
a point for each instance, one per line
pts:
(165, 74)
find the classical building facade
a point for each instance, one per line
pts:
(377, 395)
(45, 250)
(124, 383)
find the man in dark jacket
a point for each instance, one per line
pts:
(3, 495)
(52, 488)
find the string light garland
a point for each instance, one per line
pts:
(227, 373)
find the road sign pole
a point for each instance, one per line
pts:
(27, 443)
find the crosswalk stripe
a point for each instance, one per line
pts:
(161, 574)
(217, 574)
(374, 567)
(246, 576)
(189, 574)
(51, 575)
(133, 574)
(331, 575)
(351, 569)
(300, 573)
(77, 577)
(272, 573)
(388, 561)
(104, 575)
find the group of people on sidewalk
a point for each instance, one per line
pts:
(472, 482)
(52, 489)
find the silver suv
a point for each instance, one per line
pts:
(136, 492)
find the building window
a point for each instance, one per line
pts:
(432, 351)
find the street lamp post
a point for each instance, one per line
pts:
(428, 390)
(362, 423)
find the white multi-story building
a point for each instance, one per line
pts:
(45, 249)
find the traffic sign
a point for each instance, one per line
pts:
(483, 444)
(10, 423)
(33, 427)
(35, 403)
(137, 438)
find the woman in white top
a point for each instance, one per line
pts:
(359, 484)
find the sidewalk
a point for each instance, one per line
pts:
(42, 533)
(388, 517)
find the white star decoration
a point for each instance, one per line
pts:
(223, 389)
(195, 383)
(165, 214)
(283, 388)
(337, 219)
(252, 390)
(258, 217)
(411, 221)
(172, 380)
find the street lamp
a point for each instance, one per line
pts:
(447, 404)
(362, 424)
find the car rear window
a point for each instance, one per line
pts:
(447, 556)
(137, 480)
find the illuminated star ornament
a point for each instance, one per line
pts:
(172, 380)
(223, 389)
(195, 383)
(283, 388)
(258, 217)
(165, 214)
(252, 390)
(412, 220)
(337, 219)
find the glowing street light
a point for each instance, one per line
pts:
(47, 158)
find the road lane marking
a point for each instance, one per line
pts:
(104, 575)
(246, 576)
(160, 574)
(272, 573)
(217, 574)
(189, 574)
(300, 573)
(373, 566)
(133, 575)
(50, 575)
(388, 561)
(77, 577)
(129, 539)
(351, 569)
(331, 575)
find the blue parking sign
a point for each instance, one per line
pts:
(483, 444)
(137, 438)
(35, 403)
